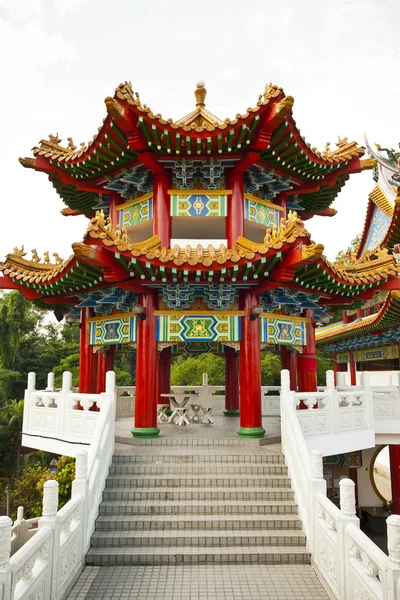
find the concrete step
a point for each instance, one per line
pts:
(198, 481)
(198, 469)
(203, 457)
(194, 522)
(200, 537)
(207, 493)
(197, 507)
(197, 442)
(183, 555)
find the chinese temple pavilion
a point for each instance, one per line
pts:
(196, 239)
(368, 337)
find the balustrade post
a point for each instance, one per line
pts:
(393, 572)
(80, 487)
(64, 405)
(317, 485)
(347, 517)
(22, 531)
(330, 379)
(50, 382)
(340, 379)
(286, 395)
(31, 385)
(5, 551)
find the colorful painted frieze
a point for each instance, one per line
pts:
(281, 330)
(343, 357)
(381, 353)
(136, 212)
(113, 330)
(260, 213)
(199, 328)
(199, 204)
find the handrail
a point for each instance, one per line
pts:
(52, 559)
(346, 560)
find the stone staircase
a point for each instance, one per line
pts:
(204, 505)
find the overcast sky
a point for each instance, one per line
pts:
(61, 58)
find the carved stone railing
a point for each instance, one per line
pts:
(49, 563)
(58, 421)
(342, 420)
(22, 530)
(350, 565)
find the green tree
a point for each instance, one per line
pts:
(10, 435)
(188, 370)
(270, 369)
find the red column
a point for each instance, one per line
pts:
(360, 313)
(101, 372)
(115, 200)
(345, 317)
(394, 454)
(164, 374)
(231, 382)
(235, 218)
(250, 372)
(146, 371)
(293, 370)
(285, 357)
(110, 358)
(353, 375)
(86, 356)
(307, 361)
(161, 209)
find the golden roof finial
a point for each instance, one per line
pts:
(200, 94)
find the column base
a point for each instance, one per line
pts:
(231, 412)
(250, 432)
(145, 432)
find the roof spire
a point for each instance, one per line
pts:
(200, 94)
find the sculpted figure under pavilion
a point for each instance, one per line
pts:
(196, 239)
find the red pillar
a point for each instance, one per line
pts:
(307, 361)
(146, 371)
(115, 200)
(231, 382)
(250, 372)
(235, 218)
(161, 209)
(345, 317)
(87, 382)
(110, 358)
(394, 454)
(285, 357)
(164, 374)
(101, 372)
(293, 370)
(353, 371)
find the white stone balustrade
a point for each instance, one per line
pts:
(350, 564)
(48, 564)
(58, 421)
(22, 530)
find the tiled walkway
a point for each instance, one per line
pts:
(219, 582)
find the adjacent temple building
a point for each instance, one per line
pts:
(197, 241)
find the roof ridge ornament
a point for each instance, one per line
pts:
(200, 94)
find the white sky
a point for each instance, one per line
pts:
(60, 58)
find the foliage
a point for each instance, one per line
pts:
(65, 475)
(350, 249)
(10, 435)
(324, 364)
(188, 370)
(270, 369)
(27, 491)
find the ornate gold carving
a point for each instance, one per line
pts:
(82, 250)
(28, 163)
(35, 258)
(313, 251)
(284, 107)
(57, 258)
(114, 108)
(46, 258)
(19, 252)
(71, 145)
(368, 163)
(54, 139)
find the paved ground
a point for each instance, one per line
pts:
(223, 428)
(222, 582)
